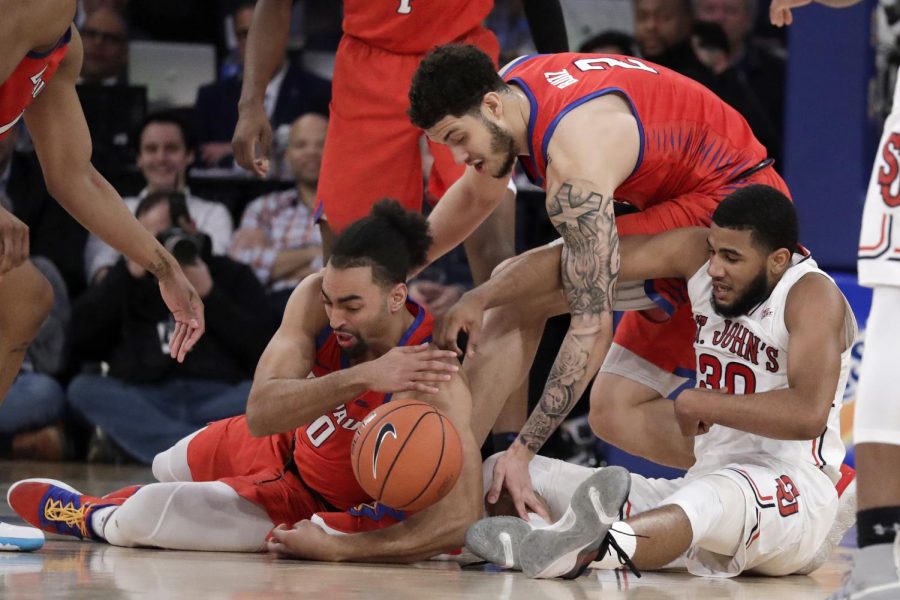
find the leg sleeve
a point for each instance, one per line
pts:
(189, 516)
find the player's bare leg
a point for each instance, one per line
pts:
(26, 298)
(635, 418)
(509, 342)
(488, 246)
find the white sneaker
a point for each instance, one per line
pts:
(875, 574)
(17, 538)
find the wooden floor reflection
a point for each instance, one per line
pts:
(67, 568)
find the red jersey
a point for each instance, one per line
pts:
(28, 80)
(412, 26)
(690, 140)
(322, 448)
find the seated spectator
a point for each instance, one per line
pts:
(147, 402)
(165, 150)
(663, 31)
(609, 42)
(104, 35)
(291, 93)
(88, 7)
(32, 412)
(763, 70)
(278, 235)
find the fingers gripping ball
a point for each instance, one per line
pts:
(406, 455)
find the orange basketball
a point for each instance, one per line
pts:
(406, 454)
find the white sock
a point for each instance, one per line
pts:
(99, 518)
(627, 541)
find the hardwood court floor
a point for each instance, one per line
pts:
(67, 568)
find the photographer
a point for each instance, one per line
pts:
(140, 399)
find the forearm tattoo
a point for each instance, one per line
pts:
(161, 267)
(590, 266)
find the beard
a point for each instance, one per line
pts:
(757, 291)
(357, 350)
(502, 143)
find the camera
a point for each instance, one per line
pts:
(186, 247)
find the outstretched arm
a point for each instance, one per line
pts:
(63, 145)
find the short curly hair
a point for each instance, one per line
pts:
(451, 80)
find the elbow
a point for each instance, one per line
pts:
(255, 418)
(811, 427)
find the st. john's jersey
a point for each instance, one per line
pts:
(690, 140)
(412, 26)
(322, 448)
(27, 81)
(749, 354)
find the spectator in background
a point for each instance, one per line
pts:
(88, 7)
(763, 70)
(104, 34)
(291, 93)
(148, 402)
(278, 236)
(165, 151)
(609, 42)
(663, 31)
(32, 412)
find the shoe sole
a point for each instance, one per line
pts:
(17, 538)
(498, 540)
(553, 553)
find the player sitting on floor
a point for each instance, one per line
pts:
(350, 341)
(773, 335)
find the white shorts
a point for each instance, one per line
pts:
(879, 240)
(625, 363)
(774, 518)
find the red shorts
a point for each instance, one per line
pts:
(670, 345)
(254, 467)
(371, 148)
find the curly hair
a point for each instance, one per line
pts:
(764, 211)
(391, 240)
(451, 80)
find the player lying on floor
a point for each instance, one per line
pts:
(773, 334)
(226, 486)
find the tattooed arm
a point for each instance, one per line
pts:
(589, 268)
(594, 149)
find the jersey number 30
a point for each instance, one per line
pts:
(710, 369)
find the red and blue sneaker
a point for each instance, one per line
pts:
(55, 507)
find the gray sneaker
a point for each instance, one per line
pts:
(567, 548)
(875, 574)
(498, 539)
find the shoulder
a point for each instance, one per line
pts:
(814, 299)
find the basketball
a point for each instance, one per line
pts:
(406, 455)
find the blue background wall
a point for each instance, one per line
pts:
(830, 140)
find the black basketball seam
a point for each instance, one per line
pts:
(439, 461)
(412, 430)
(370, 426)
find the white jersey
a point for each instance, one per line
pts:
(878, 260)
(749, 354)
